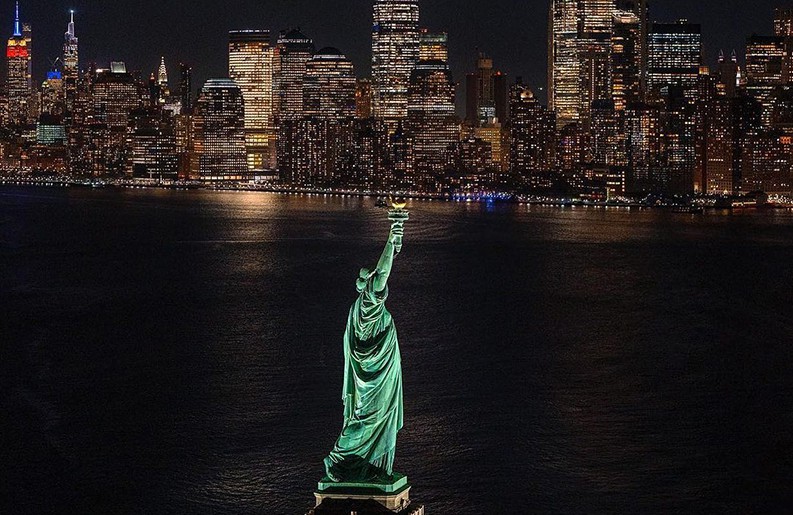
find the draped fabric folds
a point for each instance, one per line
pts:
(372, 393)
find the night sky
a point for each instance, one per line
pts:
(512, 32)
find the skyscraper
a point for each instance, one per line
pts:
(315, 149)
(329, 88)
(19, 76)
(395, 52)
(433, 46)
(727, 72)
(151, 141)
(219, 151)
(251, 68)
(115, 93)
(564, 92)
(162, 77)
(292, 52)
(626, 63)
(431, 124)
(595, 23)
(532, 133)
(765, 57)
(52, 94)
(71, 65)
(674, 57)
(186, 87)
(783, 28)
(480, 100)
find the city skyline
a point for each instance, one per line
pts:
(515, 40)
(633, 108)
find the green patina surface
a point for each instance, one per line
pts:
(397, 484)
(363, 456)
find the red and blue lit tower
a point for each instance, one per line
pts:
(20, 81)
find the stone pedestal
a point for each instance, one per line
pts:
(365, 498)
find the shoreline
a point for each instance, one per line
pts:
(481, 198)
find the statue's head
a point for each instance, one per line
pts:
(363, 278)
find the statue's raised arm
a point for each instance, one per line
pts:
(393, 246)
(372, 391)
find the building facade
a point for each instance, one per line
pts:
(395, 52)
(251, 67)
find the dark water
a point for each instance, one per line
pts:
(172, 352)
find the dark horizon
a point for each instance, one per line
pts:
(196, 32)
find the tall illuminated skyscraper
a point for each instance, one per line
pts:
(19, 76)
(626, 47)
(432, 124)
(292, 52)
(162, 74)
(251, 67)
(219, 151)
(71, 64)
(595, 23)
(395, 52)
(433, 46)
(783, 28)
(564, 92)
(52, 94)
(329, 88)
(674, 56)
(532, 133)
(313, 150)
(765, 58)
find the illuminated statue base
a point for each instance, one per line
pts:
(365, 498)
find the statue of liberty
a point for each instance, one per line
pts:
(372, 391)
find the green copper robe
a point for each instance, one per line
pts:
(372, 392)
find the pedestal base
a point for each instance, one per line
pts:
(391, 497)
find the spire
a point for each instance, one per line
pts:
(70, 27)
(17, 25)
(162, 74)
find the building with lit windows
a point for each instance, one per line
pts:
(115, 92)
(71, 64)
(643, 144)
(19, 76)
(370, 160)
(674, 55)
(53, 99)
(330, 85)
(151, 141)
(395, 52)
(564, 93)
(486, 96)
(765, 57)
(432, 123)
(783, 28)
(251, 68)
(219, 151)
(626, 59)
(433, 46)
(292, 52)
(767, 162)
(186, 87)
(595, 23)
(532, 129)
(363, 99)
(317, 148)
(163, 90)
(50, 130)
